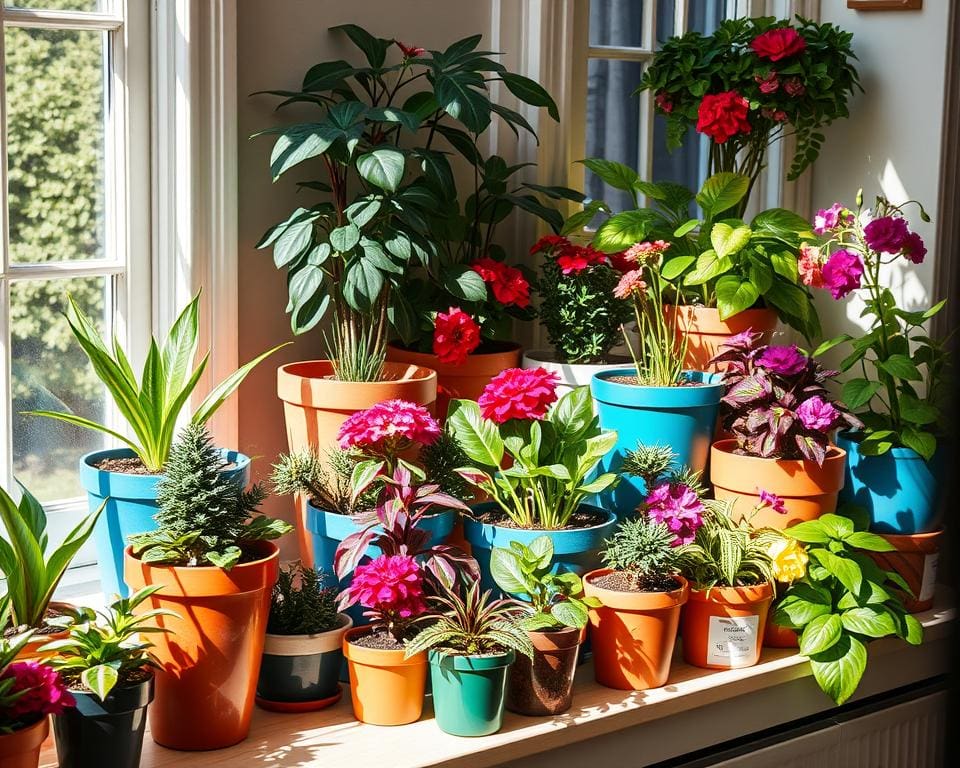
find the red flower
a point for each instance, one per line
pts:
(388, 426)
(620, 262)
(722, 115)
(508, 283)
(777, 115)
(390, 584)
(411, 51)
(548, 243)
(768, 84)
(662, 100)
(518, 393)
(776, 44)
(574, 260)
(455, 335)
(794, 87)
(42, 692)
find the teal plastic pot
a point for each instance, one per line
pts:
(682, 418)
(130, 508)
(899, 489)
(576, 549)
(469, 692)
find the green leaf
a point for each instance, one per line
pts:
(810, 532)
(457, 97)
(922, 442)
(344, 238)
(858, 392)
(727, 240)
(383, 168)
(506, 571)
(542, 549)
(478, 436)
(622, 230)
(721, 192)
(300, 142)
(708, 267)
(820, 634)
(408, 120)
(688, 226)
(530, 92)
(901, 367)
(785, 265)
(734, 295)
(462, 282)
(868, 541)
(843, 569)
(676, 266)
(570, 614)
(870, 621)
(613, 174)
(917, 411)
(375, 49)
(362, 284)
(839, 669)
(782, 224)
(101, 679)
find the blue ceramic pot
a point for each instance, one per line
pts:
(130, 508)
(576, 549)
(683, 418)
(897, 489)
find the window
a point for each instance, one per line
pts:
(74, 207)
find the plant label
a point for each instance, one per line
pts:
(929, 582)
(732, 641)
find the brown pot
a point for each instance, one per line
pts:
(807, 491)
(633, 634)
(21, 749)
(723, 627)
(706, 331)
(544, 685)
(30, 650)
(464, 382)
(915, 559)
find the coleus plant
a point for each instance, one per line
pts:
(776, 403)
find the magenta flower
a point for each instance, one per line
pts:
(913, 248)
(679, 506)
(842, 273)
(518, 393)
(388, 426)
(773, 501)
(391, 585)
(787, 361)
(886, 234)
(817, 414)
(828, 219)
(42, 692)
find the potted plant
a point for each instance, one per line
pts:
(212, 555)
(750, 83)
(657, 400)
(536, 458)
(125, 479)
(789, 561)
(843, 602)
(386, 683)
(640, 593)
(303, 650)
(29, 691)
(108, 667)
(730, 572)
(578, 310)
(472, 641)
(33, 569)
(894, 464)
(554, 615)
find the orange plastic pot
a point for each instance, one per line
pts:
(775, 636)
(633, 634)
(385, 688)
(210, 658)
(807, 491)
(915, 559)
(465, 381)
(706, 331)
(723, 627)
(21, 749)
(30, 650)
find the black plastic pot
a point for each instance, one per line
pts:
(107, 734)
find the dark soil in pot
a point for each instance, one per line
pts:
(622, 581)
(378, 640)
(579, 519)
(543, 685)
(132, 465)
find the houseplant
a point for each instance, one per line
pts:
(641, 593)
(107, 665)
(655, 401)
(750, 83)
(897, 372)
(554, 615)
(535, 457)
(730, 572)
(843, 602)
(303, 650)
(386, 683)
(33, 569)
(212, 555)
(126, 478)
(578, 310)
(472, 641)
(780, 413)
(29, 691)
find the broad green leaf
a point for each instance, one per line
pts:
(613, 174)
(298, 143)
(845, 570)
(362, 284)
(734, 295)
(783, 224)
(464, 283)
(727, 240)
(858, 392)
(687, 227)
(868, 541)
(708, 267)
(920, 441)
(570, 614)
(101, 679)
(839, 669)
(917, 411)
(457, 95)
(901, 367)
(383, 168)
(622, 230)
(344, 238)
(821, 633)
(530, 92)
(721, 192)
(478, 436)
(785, 265)
(542, 548)
(872, 621)
(675, 267)
(374, 48)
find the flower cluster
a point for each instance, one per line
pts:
(508, 284)
(572, 259)
(789, 559)
(723, 115)
(387, 428)
(518, 393)
(391, 589)
(455, 335)
(679, 506)
(34, 691)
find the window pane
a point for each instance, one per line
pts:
(616, 22)
(666, 15)
(704, 16)
(51, 373)
(55, 144)
(89, 6)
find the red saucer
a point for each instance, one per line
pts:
(300, 706)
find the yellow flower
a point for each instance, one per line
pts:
(789, 559)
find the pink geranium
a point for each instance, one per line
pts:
(518, 393)
(646, 253)
(388, 427)
(630, 283)
(41, 692)
(818, 414)
(390, 585)
(913, 248)
(455, 336)
(842, 273)
(828, 219)
(677, 505)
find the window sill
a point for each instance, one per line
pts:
(756, 697)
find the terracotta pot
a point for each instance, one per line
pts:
(464, 382)
(633, 634)
(29, 651)
(385, 688)
(315, 405)
(706, 331)
(210, 659)
(544, 685)
(807, 491)
(916, 559)
(21, 749)
(723, 627)
(775, 636)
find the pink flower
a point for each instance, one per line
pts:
(631, 282)
(786, 361)
(722, 115)
(817, 414)
(389, 426)
(508, 284)
(828, 219)
(411, 51)
(549, 243)
(773, 501)
(794, 87)
(646, 253)
(455, 335)
(662, 100)
(810, 266)
(518, 393)
(43, 692)
(390, 584)
(842, 273)
(777, 115)
(886, 234)
(913, 248)
(779, 43)
(677, 505)
(768, 84)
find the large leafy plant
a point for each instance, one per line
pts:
(382, 133)
(718, 259)
(152, 406)
(844, 601)
(31, 567)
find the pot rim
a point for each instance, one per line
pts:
(642, 396)
(308, 645)
(746, 595)
(635, 601)
(440, 657)
(306, 383)
(926, 536)
(791, 478)
(545, 641)
(233, 455)
(545, 357)
(481, 534)
(124, 697)
(711, 324)
(477, 363)
(377, 657)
